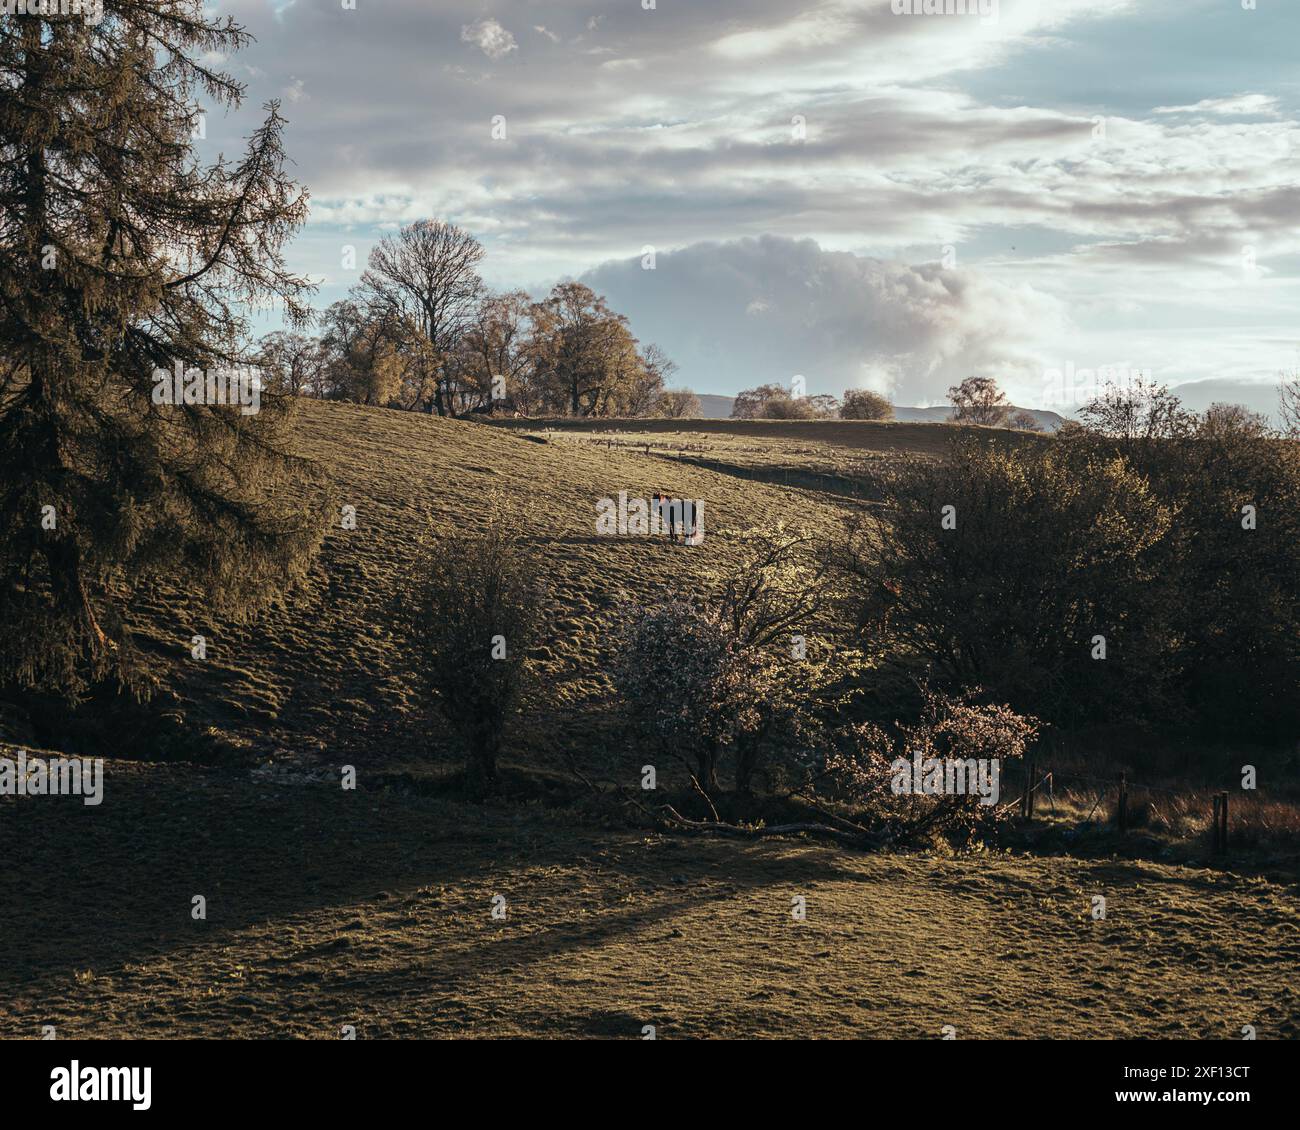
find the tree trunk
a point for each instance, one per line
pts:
(708, 771)
(746, 763)
(481, 765)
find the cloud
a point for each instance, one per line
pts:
(678, 129)
(494, 41)
(1239, 105)
(752, 311)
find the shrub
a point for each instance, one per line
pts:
(789, 408)
(1001, 565)
(474, 610)
(864, 770)
(689, 684)
(724, 679)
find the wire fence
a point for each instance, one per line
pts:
(1042, 780)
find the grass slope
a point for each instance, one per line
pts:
(326, 671)
(372, 907)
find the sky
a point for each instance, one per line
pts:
(1055, 194)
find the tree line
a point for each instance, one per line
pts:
(421, 332)
(977, 400)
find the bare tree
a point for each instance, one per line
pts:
(1141, 412)
(1288, 393)
(647, 387)
(978, 400)
(426, 277)
(293, 363)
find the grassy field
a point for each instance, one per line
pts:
(327, 908)
(373, 907)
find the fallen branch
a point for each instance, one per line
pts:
(679, 822)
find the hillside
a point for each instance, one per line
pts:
(327, 672)
(882, 437)
(372, 907)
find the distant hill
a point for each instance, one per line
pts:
(715, 407)
(939, 413)
(719, 408)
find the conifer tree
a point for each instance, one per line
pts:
(122, 253)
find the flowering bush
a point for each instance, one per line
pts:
(864, 768)
(688, 682)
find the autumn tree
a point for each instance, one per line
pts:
(362, 354)
(497, 353)
(863, 404)
(123, 257)
(585, 355)
(978, 400)
(677, 404)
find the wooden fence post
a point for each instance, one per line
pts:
(1121, 807)
(1218, 801)
(1027, 801)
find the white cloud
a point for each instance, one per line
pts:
(1238, 106)
(494, 41)
(753, 311)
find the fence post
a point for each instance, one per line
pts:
(1121, 808)
(1223, 816)
(1218, 828)
(1027, 802)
